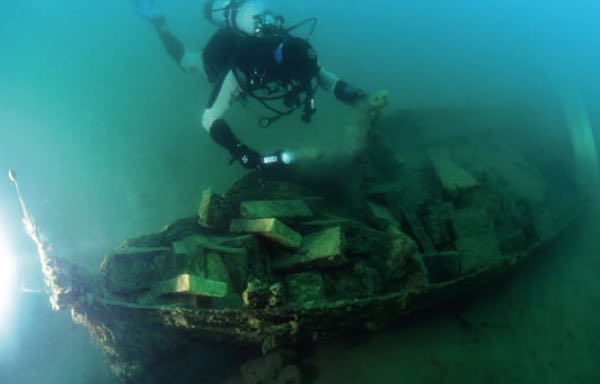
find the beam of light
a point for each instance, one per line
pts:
(287, 157)
(47, 262)
(7, 281)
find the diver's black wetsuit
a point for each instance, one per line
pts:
(266, 68)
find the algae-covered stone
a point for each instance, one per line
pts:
(442, 266)
(190, 255)
(219, 258)
(306, 287)
(258, 186)
(190, 285)
(214, 211)
(238, 264)
(378, 193)
(357, 280)
(382, 213)
(191, 245)
(270, 228)
(187, 247)
(321, 249)
(476, 238)
(418, 277)
(280, 209)
(277, 297)
(419, 232)
(401, 249)
(453, 177)
(215, 268)
(257, 294)
(134, 269)
(440, 224)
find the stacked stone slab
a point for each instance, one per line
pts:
(321, 249)
(476, 241)
(135, 269)
(186, 284)
(214, 211)
(307, 258)
(286, 210)
(453, 177)
(272, 229)
(306, 288)
(268, 218)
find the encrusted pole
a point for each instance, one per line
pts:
(57, 279)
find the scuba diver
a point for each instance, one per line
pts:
(252, 55)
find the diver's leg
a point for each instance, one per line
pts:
(150, 11)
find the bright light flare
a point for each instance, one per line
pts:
(287, 157)
(7, 280)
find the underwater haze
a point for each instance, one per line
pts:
(103, 131)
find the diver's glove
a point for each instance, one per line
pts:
(348, 93)
(222, 135)
(149, 11)
(249, 158)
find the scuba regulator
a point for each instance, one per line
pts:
(249, 17)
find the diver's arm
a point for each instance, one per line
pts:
(327, 80)
(217, 127)
(187, 61)
(343, 91)
(171, 43)
(220, 100)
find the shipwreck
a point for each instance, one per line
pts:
(282, 258)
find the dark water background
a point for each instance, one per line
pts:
(104, 133)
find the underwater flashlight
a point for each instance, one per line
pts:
(286, 157)
(279, 157)
(272, 159)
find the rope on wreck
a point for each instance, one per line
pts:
(53, 275)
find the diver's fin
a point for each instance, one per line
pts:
(148, 10)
